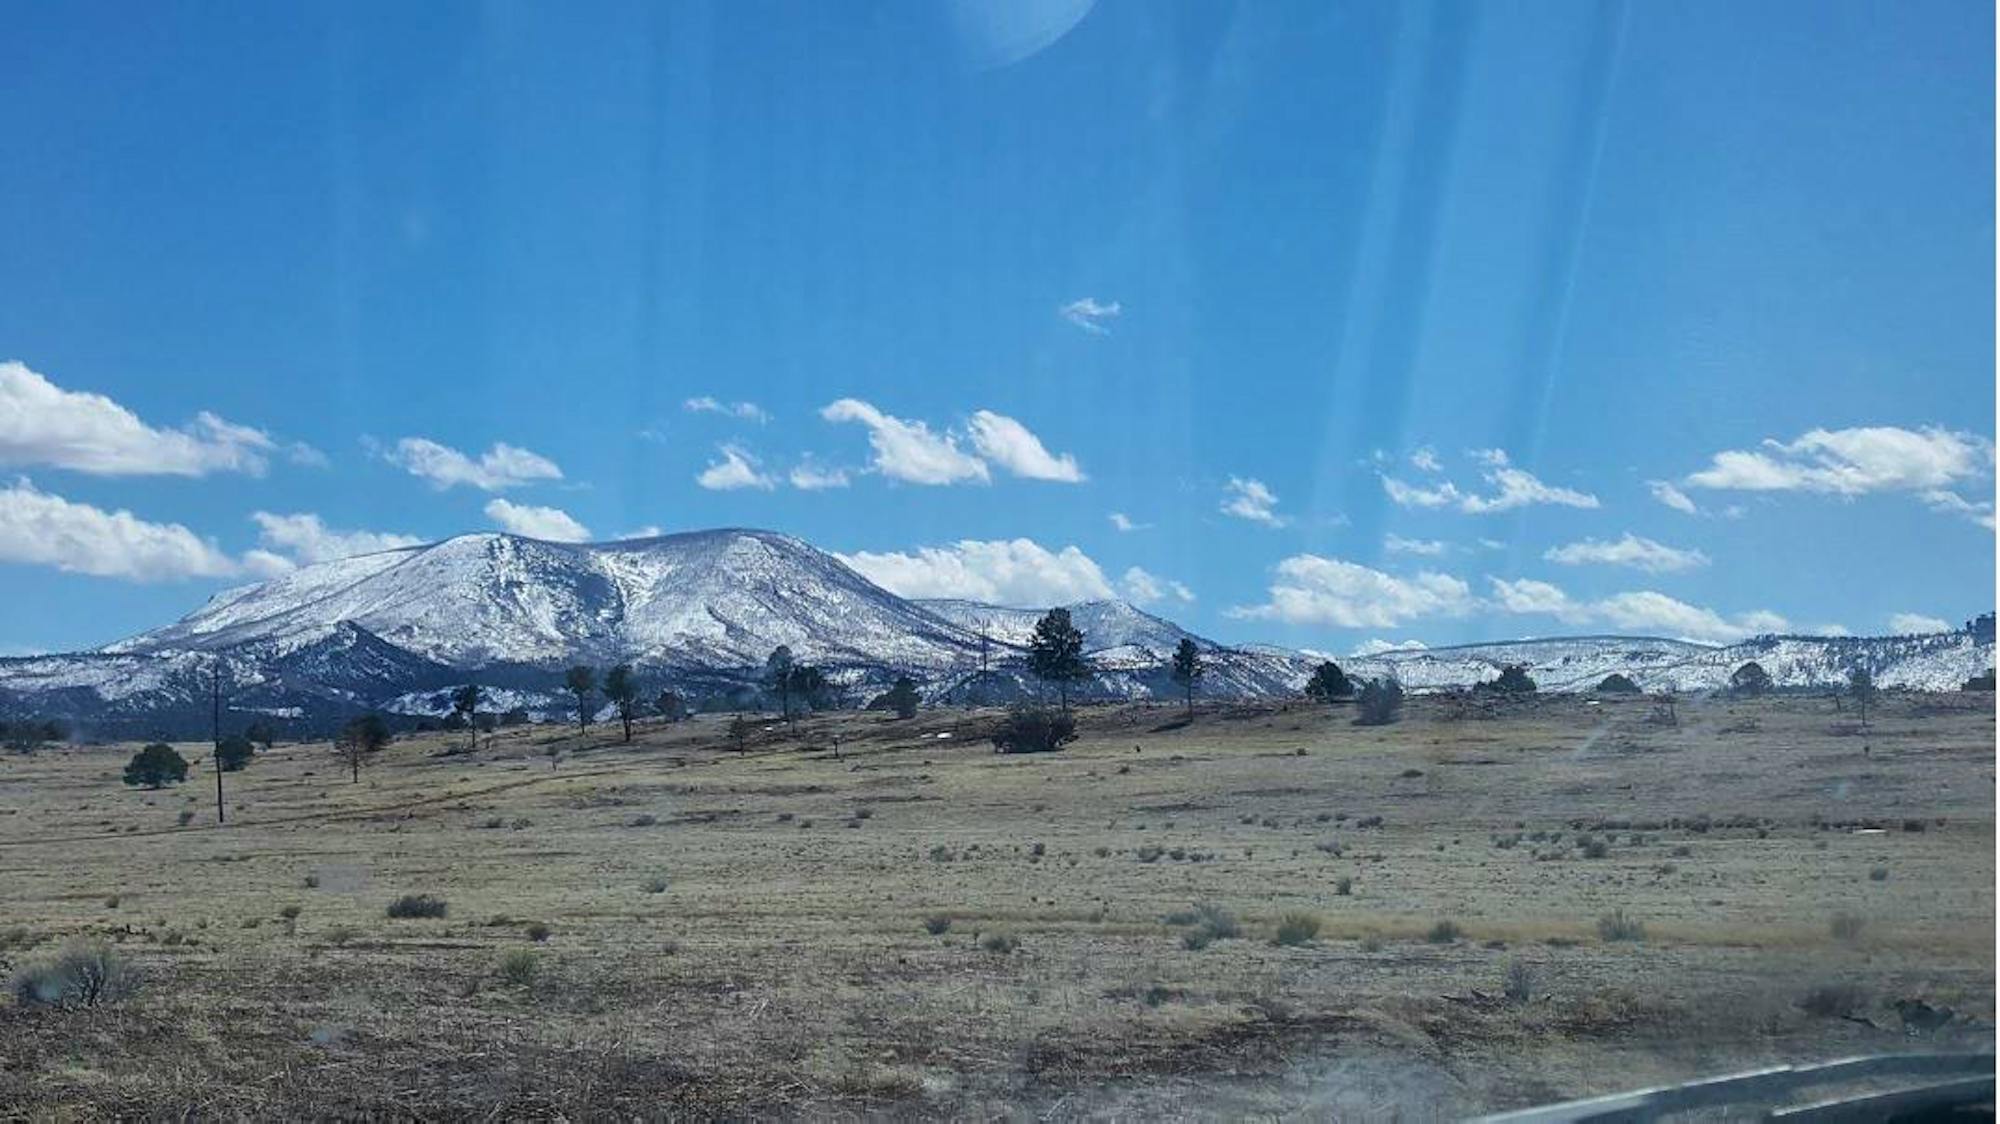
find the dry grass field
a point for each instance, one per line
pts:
(671, 928)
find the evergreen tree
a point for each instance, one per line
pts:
(778, 669)
(1055, 653)
(1328, 683)
(623, 693)
(1188, 669)
(465, 703)
(1750, 679)
(156, 766)
(902, 697)
(581, 681)
(234, 752)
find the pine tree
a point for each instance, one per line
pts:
(1188, 669)
(581, 681)
(1055, 653)
(623, 693)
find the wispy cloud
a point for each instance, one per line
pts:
(908, 450)
(303, 537)
(43, 424)
(1513, 488)
(1930, 463)
(1916, 624)
(737, 469)
(1666, 493)
(1311, 589)
(1397, 544)
(810, 476)
(1010, 445)
(1143, 588)
(1646, 611)
(1629, 550)
(501, 467)
(550, 523)
(1124, 523)
(1426, 460)
(41, 529)
(1090, 314)
(1018, 572)
(1248, 498)
(746, 411)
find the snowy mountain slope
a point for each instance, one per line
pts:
(708, 599)
(701, 611)
(1106, 625)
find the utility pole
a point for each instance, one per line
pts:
(215, 728)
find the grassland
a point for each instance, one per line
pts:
(919, 927)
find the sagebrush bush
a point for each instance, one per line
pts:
(519, 967)
(537, 931)
(1444, 932)
(1297, 928)
(656, 885)
(1846, 927)
(1617, 926)
(937, 924)
(81, 974)
(1835, 1000)
(417, 905)
(1519, 984)
(1000, 942)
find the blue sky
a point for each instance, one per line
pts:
(1438, 322)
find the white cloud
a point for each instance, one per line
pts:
(736, 469)
(1513, 488)
(1526, 595)
(1413, 495)
(43, 424)
(1009, 444)
(1916, 624)
(1376, 647)
(1630, 550)
(908, 450)
(1830, 629)
(1851, 461)
(1929, 463)
(500, 467)
(747, 411)
(1250, 499)
(303, 537)
(1310, 589)
(1142, 588)
(1125, 524)
(649, 531)
(809, 476)
(40, 529)
(1426, 459)
(1951, 503)
(1666, 493)
(1090, 314)
(550, 523)
(1429, 548)
(1017, 572)
(1519, 488)
(1640, 611)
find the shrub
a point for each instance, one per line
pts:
(417, 905)
(519, 967)
(1381, 702)
(1030, 729)
(1846, 927)
(341, 934)
(537, 931)
(186, 817)
(1519, 984)
(1297, 929)
(1879, 874)
(234, 753)
(1617, 926)
(656, 885)
(156, 766)
(290, 912)
(1343, 886)
(1617, 684)
(1593, 847)
(83, 974)
(646, 820)
(1444, 932)
(1836, 1000)
(937, 924)
(1000, 942)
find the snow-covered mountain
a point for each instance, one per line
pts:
(702, 610)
